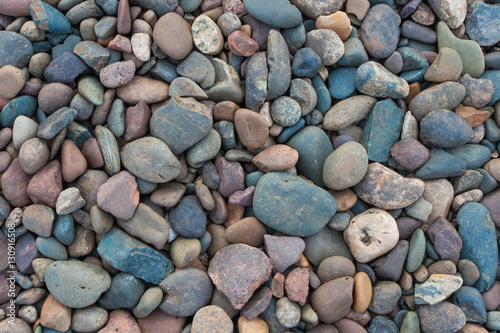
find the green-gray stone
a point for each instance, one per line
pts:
(416, 251)
(91, 89)
(109, 149)
(442, 96)
(204, 150)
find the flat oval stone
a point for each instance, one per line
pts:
(280, 14)
(375, 80)
(181, 123)
(333, 299)
(286, 212)
(173, 35)
(278, 60)
(15, 49)
(142, 88)
(56, 122)
(159, 7)
(207, 36)
(385, 297)
(150, 159)
(442, 96)
(327, 44)
(380, 31)
(443, 317)
(20, 106)
(109, 148)
(186, 291)
(76, 284)
(91, 318)
(348, 112)
(117, 74)
(445, 129)
(276, 158)
(238, 270)
(338, 174)
(256, 81)
(401, 193)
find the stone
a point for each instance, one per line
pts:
(297, 285)
(55, 315)
(256, 80)
(443, 317)
(211, 319)
(91, 280)
(150, 159)
(437, 288)
(280, 14)
(65, 68)
(283, 251)
(73, 163)
(257, 325)
(278, 60)
(385, 297)
(173, 36)
(382, 324)
(121, 321)
(269, 204)
(142, 88)
(184, 250)
(276, 158)
(248, 268)
(258, 303)
(416, 251)
(148, 303)
(231, 177)
(56, 122)
(327, 44)
(348, 112)
(159, 320)
(367, 243)
(207, 36)
(453, 129)
(476, 30)
(15, 78)
(248, 231)
(251, 127)
(89, 319)
(446, 67)
(117, 74)
(33, 155)
(287, 312)
(16, 50)
(380, 31)
(45, 186)
(130, 255)
(445, 239)
(188, 218)
(306, 63)
(390, 266)
(401, 193)
(450, 12)
(313, 9)
(420, 104)
(125, 292)
(332, 300)
(441, 164)
(141, 46)
(410, 153)
(69, 201)
(93, 54)
(335, 267)
(474, 117)
(469, 299)
(375, 80)
(342, 82)
(119, 195)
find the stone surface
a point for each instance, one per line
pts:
(443, 317)
(436, 288)
(380, 31)
(332, 300)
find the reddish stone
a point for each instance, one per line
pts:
(159, 321)
(257, 304)
(232, 177)
(410, 153)
(15, 184)
(46, 185)
(349, 326)
(73, 163)
(241, 44)
(92, 153)
(137, 121)
(283, 251)
(473, 116)
(119, 195)
(30, 296)
(121, 321)
(234, 214)
(225, 111)
(124, 20)
(238, 270)
(243, 198)
(445, 238)
(54, 315)
(278, 285)
(234, 6)
(120, 43)
(297, 285)
(492, 297)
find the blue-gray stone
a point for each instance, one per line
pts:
(342, 82)
(494, 76)
(441, 165)
(381, 324)
(306, 63)
(41, 47)
(51, 248)
(164, 70)
(295, 38)
(93, 54)
(23, 280)
(68, 46)
(292, 205)
(56, 39)
(256, 81)
(84, 10)
(188, 218)
(64, 229)
(48, 18)
(4, 208)
(196, 67)
(382, 130)
(110, 7)
(380, 31)
(354, 53)
(145, 187)
(339, 221)
(189, 6)
(160, 7)
(15, 49)
(488, 144)
(483, 23)
(65, 5)
(125, 292)
(492, 130)
(314, 147)
(83, 107)
(430, 251)
(278, 13)
(21, 106)
(445, 129)
(269, 316)
(130, 255)
(205, 241)
(116, 118)
(56, 122)
(474, 156)
(479, 242)
(470, 300)
(416, 75)
(375, 80)
(226, 131)
(181, 123)
(252, 178)
(109, 149)
(289, 131)
(65, 68)
(324, 102)
(488, 183)
(278, 60)
(412, 59)
(285, 111)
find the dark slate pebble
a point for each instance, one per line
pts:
(278, 13)
(306, 63)
(188, 217)
(441, 165)
(445, 129)
(381, 324)
(15, 49)
(125, 292)
(470, 300)
(65, 68)
(56, 122)
(26, 252)
(342, 82)
(23, 105)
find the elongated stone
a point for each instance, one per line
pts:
(348, 112)
(442, 96)
(109, 148)
(375, 80)
(278, 60)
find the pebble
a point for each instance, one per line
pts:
(207, 36)
(125, 291)
(332, 300)
(375, 80)
(141, 88)
(443, 317)
(280, 14)
(173, 36)
(287, 312)
(380, 31)
(211, 319)
(89, 319)
(327, 44)
(283, 251)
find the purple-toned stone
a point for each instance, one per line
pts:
(283, 251)
(244, 197)
(137, 121)
(410, 153)
(232, 177)
(409, 8)
(15, 185)
(492, 203)
(297, 285)
(65, 68)
(119, 195)
(26, 252)
(406, 226)
(341, 139)
(4, 260)
(45, 187)
(4, 289)
(238, 270)
(257, 304)
(445, 238)
(390, 266)
(260, 30)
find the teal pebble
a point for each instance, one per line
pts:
(416, 251)
(342, 82)
(226, 131)
(488, 183)
(474, 156)
(109, 149)
(64, 229)
(56, 122)
(205, 241)
(144, 186)
(340, 221)
(116, 118)
(252, 179)
(441, 165)
(21, 106)
(289, 131)
(324, 102)
(48, 18)
(51, 248)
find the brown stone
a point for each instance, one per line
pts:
(225, 111)
(54, 96)
(211, 319)
(251, 127)
(276, 158)
(121, 321)
(338, 22)
(358, 8)
(421, 274)
(73, 163)
(335, 267)
(349, 326)
(120, 43)
(45, 186)
(257, 304)
(473, 116)
(92, 153)
(491, 297)
(414, 91)
(54, 315)
(119, 195)
(238, 270)
(278, 285)
(11, 81)
(234, 214)
(124, 20)
(241, 44)
(362, 292)
(173, 35)
(83, 244)
(472, 328)
(256, 325)
(345, 199)
(284, 251)
(144, 89)
(248, 231)
(31, 296)
(15, 184)
(137, 121)
(297, 285)
(218, 241)
(168, 195)
(159, 321)
(442, 317)
(332, 301)
(89, 184)
(442, 267)
(424, 15)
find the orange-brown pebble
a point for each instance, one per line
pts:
(338, 22)
(362, 292)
